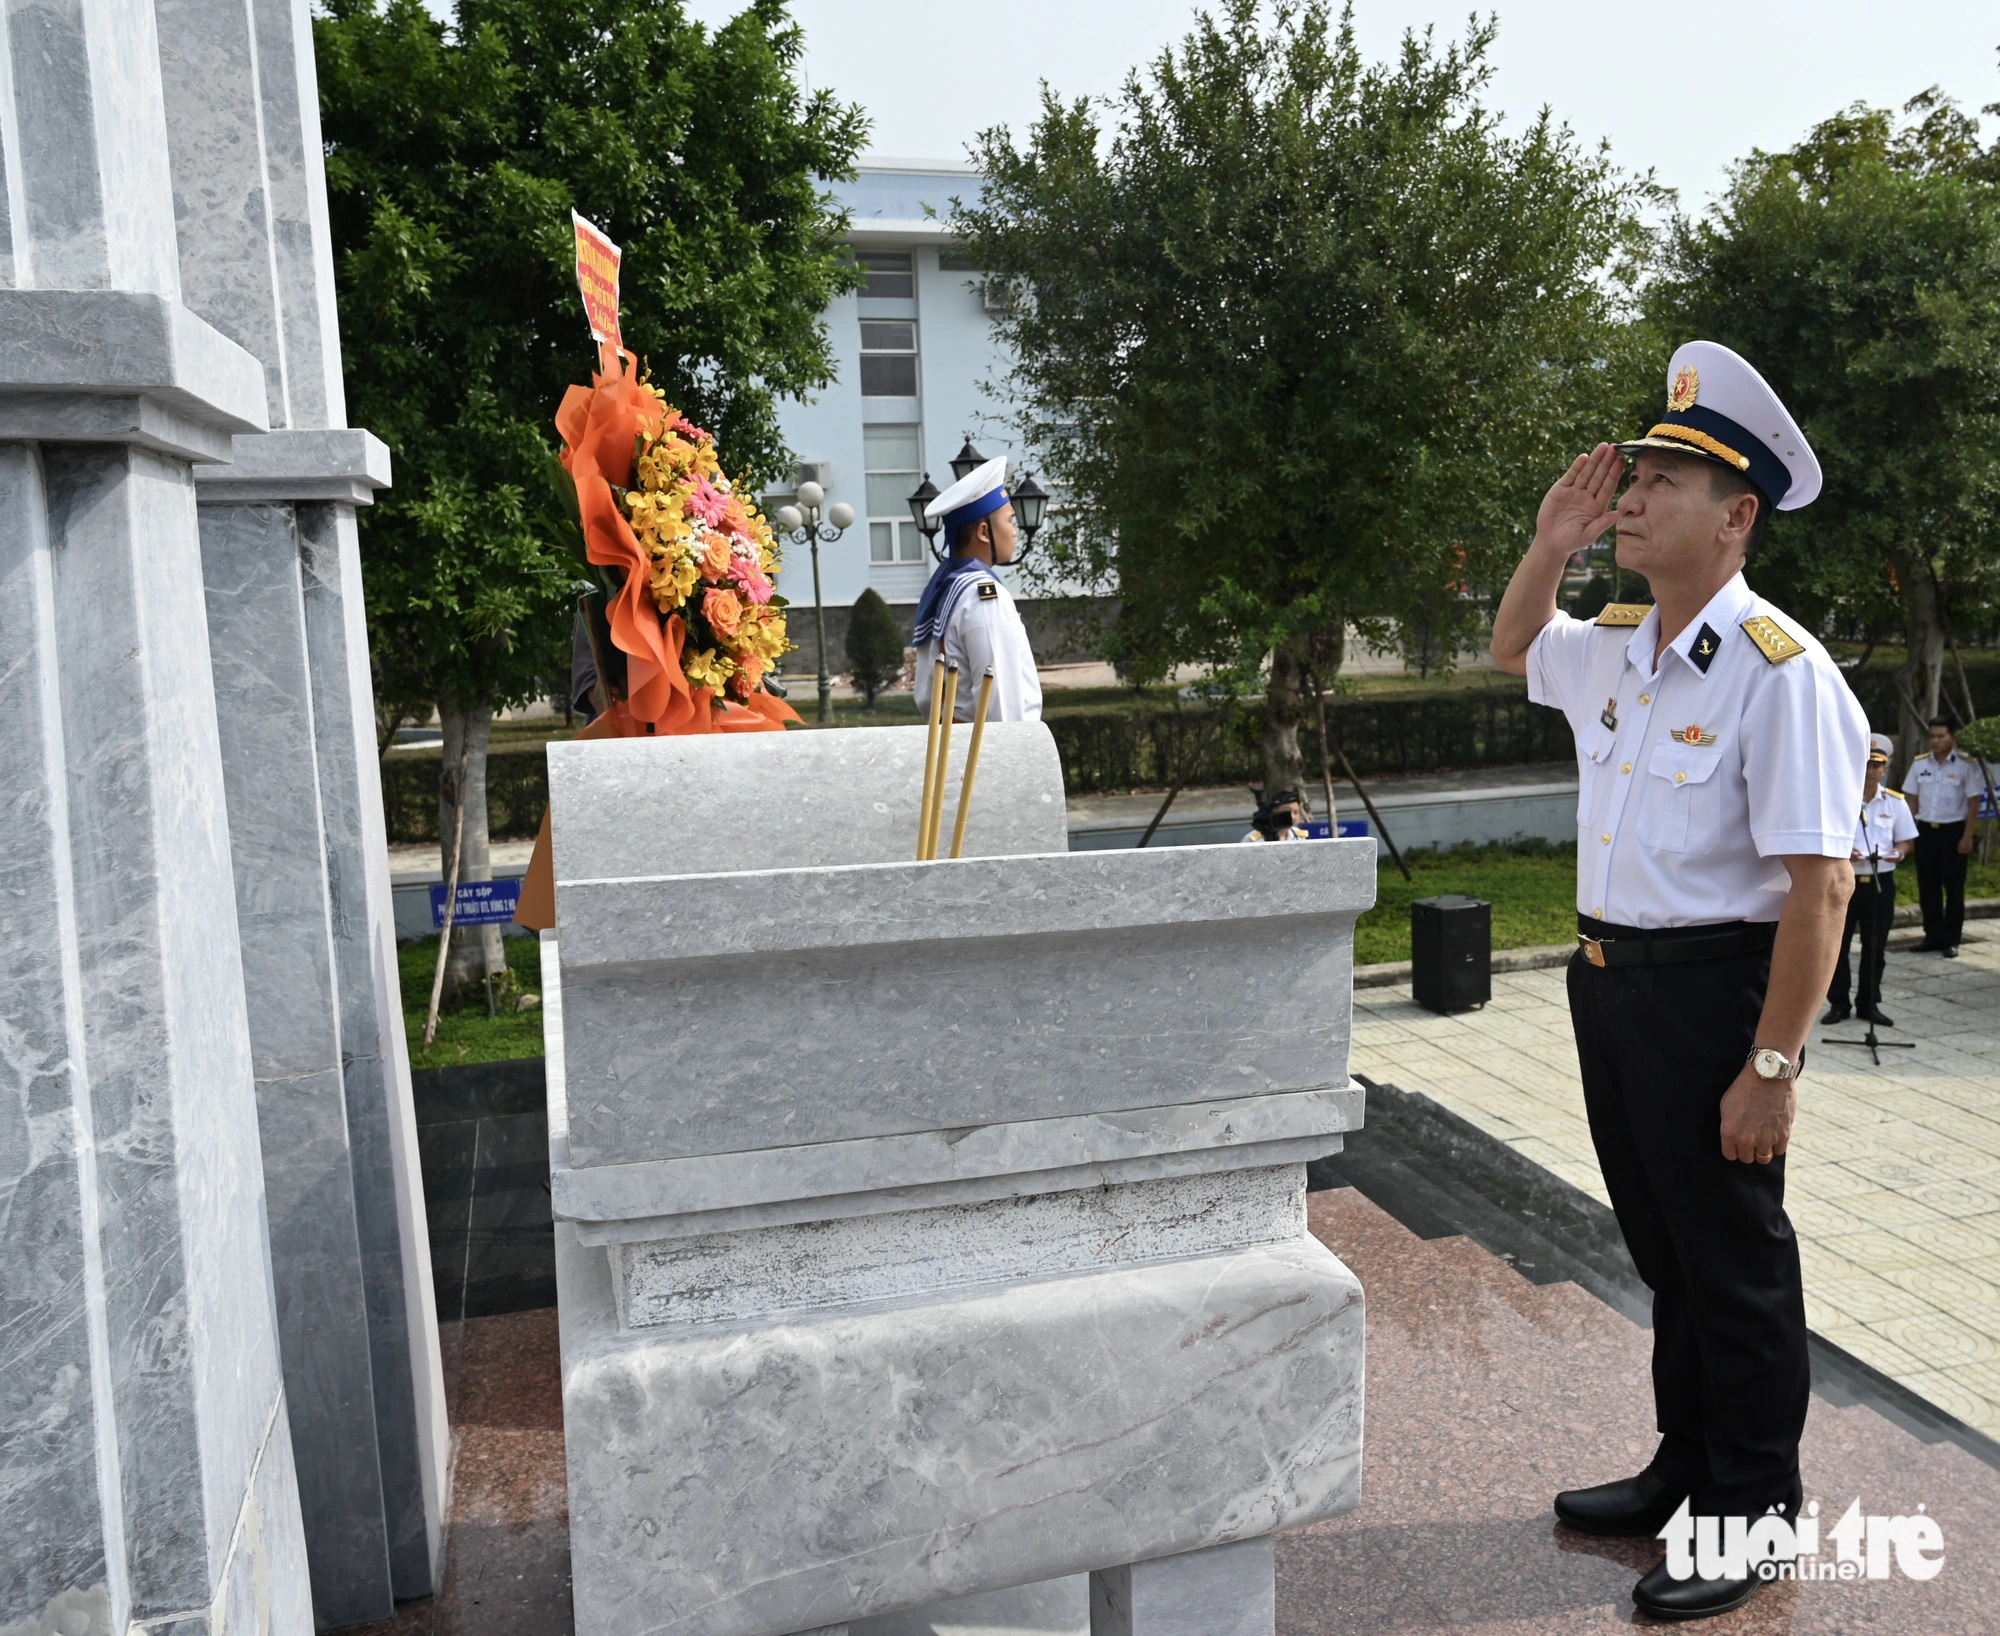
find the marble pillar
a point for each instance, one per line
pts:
(149, 1476)
(297, 704)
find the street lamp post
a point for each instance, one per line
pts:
(801, 525)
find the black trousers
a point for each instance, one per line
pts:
(1659, 1045)
(1941, 882)
(1871, 910)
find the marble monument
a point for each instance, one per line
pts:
(928, 1229)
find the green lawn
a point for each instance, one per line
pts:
(1532, 889)
(465, 1033)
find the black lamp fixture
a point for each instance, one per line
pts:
(967, 461)
(1031, 505)
(919, 502)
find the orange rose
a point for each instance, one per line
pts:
(715, 561)
(723, 612)
(750, 664)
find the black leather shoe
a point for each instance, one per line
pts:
(1666, 1597)
(1631, 1508)
(1952, 952)
(1835, 1016)
(1879, 1017)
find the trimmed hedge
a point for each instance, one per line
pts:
(1113, 747)
(517, 792)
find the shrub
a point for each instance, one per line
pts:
(874, 644)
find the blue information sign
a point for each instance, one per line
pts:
(480, 902)
(1350, 828)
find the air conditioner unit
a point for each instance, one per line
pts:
(996, 296)
(815, 471)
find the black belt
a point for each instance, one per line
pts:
(1941, 823)
(1603, 944)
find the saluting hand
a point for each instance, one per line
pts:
(1578, 509)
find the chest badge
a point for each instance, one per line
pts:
(1691, 734)
(1610, 716)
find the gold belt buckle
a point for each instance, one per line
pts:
(1593, 950)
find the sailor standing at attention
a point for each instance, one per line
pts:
(966, 614)
(1720, 755)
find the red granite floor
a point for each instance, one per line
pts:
(1486, 1393)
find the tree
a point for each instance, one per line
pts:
(1302, 341)
(874, 644)
(1860, 272)
(454, 156)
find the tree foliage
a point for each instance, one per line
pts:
(454, 156)
(1301, 339)
(1860, 272)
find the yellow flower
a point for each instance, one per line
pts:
(707, 668)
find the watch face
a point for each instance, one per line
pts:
(1770, 1064)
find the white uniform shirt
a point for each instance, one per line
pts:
(1883, 823)
(983, 627)
(1699, 775)
(1944, 789)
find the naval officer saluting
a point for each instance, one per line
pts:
(1720, 754)
(966, 616)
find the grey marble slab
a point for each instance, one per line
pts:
(887, 1458)
(724, 1277)
(324, 464)
(123, 343)
(642, 807)
(954, 995)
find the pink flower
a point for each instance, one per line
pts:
(750, 578)
(707, 502)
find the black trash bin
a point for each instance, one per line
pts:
(1451, 952)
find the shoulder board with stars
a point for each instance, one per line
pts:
(1772, 639)
(1898, 794)
(1624, 613)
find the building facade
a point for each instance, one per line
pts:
(918, 368)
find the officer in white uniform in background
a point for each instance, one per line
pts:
(1883, 837)
(967, 613)
(1721, 759)
(1944, 789)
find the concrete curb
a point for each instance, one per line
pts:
(1393, 973)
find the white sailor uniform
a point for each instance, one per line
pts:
(1944, 792)
(1696, 777)
(980, 626)
(1883, 824)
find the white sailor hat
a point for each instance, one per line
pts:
(1880, 746)
(977, 494)
(1720, 408)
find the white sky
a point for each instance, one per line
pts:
(1683, 88)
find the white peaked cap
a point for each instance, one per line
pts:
(974, 485)
(1719, 407)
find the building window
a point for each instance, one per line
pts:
(890, 275)
(888, 358)
(957, 261)
(890, 454)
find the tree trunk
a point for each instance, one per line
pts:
(1286, 701)
(1922, 670)
(475, 950)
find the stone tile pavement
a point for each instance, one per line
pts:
(1894, 1177)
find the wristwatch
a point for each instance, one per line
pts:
(1771, 1064)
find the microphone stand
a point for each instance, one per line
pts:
(1869, 935)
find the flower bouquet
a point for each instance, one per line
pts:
(686, 625)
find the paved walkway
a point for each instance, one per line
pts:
(1894, 1177)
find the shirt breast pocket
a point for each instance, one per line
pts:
(1680, 809)
(1593, 749)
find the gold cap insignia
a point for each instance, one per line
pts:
(1692, 734)
(1772, 639)
(1624, 613)
(1686, 388)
